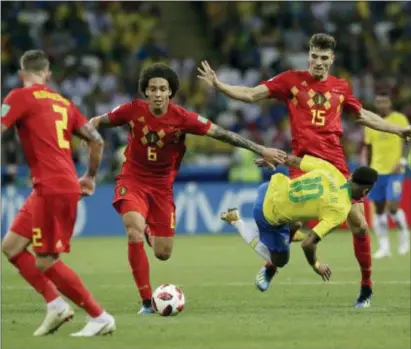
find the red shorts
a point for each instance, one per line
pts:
(155, 205)
(48, 220)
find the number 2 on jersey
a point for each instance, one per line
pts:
(318, 117)
(61, 126)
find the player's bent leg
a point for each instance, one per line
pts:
(162, 246)
(362, 249)
(14, 247)
(380, 223)
(397, 214)
(135, 223)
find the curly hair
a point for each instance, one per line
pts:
(159, 70)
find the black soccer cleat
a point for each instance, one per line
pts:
(364, 299)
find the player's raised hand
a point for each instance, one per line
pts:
(87, 185)
(207, 74)
(324, 271)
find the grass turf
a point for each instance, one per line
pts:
(223, 309)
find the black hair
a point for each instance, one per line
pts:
(159, 70)
(323, 41)
(365, 176)
(383, 93)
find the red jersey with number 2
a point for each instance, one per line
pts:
(156, 145)
(45, 122)
(314, 109)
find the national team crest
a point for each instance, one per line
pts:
(123, 191)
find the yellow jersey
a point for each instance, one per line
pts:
(322, 193)
(386, 147)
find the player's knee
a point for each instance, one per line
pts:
(280, 260)
(43, 262)
(360, 229)
(162, 255)
(135, 234)
(10, 248)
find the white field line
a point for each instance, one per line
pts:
(240, 284)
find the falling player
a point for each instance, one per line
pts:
(315, 100)
(144, 188)
(45, 122)
(387, 192)
(322, 193)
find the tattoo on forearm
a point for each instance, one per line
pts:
(235, 139)
(89, 134)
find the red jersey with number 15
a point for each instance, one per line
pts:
(314, 109)
(156, 145)
(45, 122)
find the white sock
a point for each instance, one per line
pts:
(381, 230)
(252, 238)
(401, 221)
(101, 318)
(57, 303)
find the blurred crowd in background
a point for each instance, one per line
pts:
(98, 49)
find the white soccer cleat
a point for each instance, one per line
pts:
(404, 249)
(54, 319)
(382, 253)
(230, 216)
(97, 327)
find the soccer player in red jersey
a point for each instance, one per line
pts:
(45, 122)
(315, 100)
(144, 188)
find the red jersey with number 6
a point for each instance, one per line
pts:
(45, 122)
(314, 109)
(156, 145)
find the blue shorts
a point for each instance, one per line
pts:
(275, 237)
(387, 188)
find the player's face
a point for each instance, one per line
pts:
(320, 62)
(383, 105)
(158, 93)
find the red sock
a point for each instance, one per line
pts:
(362, 249)
(70, 285)
(25, 262)
(141, 269)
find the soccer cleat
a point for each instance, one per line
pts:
(364, 299)
(146, 310)
(97, 327)
(264, 277)
(54, 319)
(382, 253)
(404, 249)
(230, 216)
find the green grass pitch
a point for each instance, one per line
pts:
(223, 309)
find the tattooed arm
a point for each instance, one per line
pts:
(272, 155)
(96, 144)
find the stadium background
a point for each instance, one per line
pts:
(98, 49)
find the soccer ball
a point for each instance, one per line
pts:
(168, 300)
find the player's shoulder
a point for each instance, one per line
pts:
(16, 92)
(135, 105)
(398, 116)
(338, 82)
(178, 111)
(290, 74)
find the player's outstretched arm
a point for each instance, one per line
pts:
(102, 120)
(271, 155)
(376, 122)
(240, 93)
(309, 246)
(291, 160)
(96, 145)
